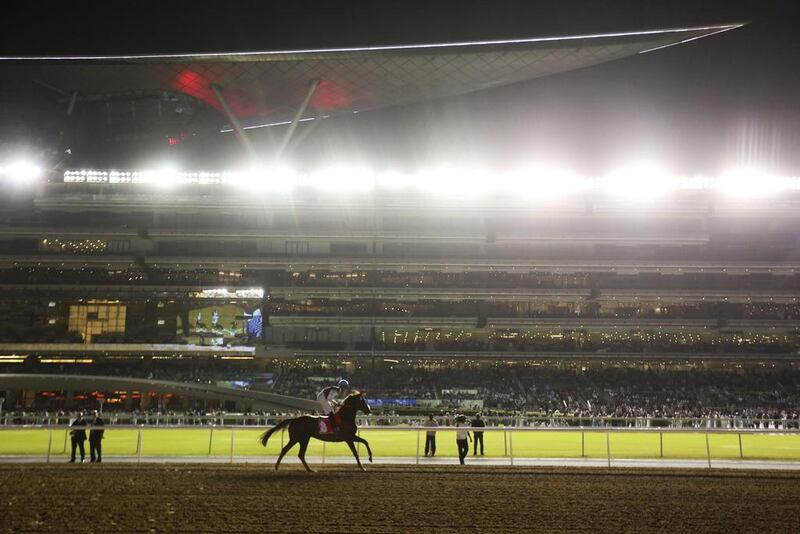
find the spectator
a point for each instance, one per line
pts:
(462, 435)
(96, 439)
(430, 436)
(78, 437)
(477, 423)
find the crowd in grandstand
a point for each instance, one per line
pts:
(624, 341)
(615, 391)
(573, 389)
(587, 309)
(425, 279)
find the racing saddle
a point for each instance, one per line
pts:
(330, 424)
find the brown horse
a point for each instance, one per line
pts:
(305, 427)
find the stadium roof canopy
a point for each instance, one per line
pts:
(267, 87)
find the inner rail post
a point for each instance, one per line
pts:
(417, 459)
(511, 447)
(49, 443)
(232, 443)
(139, 446)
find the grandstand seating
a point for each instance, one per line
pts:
(194, 284)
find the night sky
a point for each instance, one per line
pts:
(702, 107)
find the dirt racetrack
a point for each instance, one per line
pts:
(109, 498)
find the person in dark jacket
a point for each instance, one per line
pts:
(477, 423)
(96, 438)
(430, 436)
(78, 437)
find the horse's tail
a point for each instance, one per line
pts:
(266, 435)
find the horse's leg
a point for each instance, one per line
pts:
(284, 451)
(359, 439)
(302, 453)
(355, 454)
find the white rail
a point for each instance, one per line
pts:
(508, 433)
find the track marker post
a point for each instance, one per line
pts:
(210, 439)
(139, 446)
(583, 444)
(505, 443)
(417, 461)
(741, 451)
(608, 447)
(708, 450)
(49, 443)
(511, 447)
(232, 442)
(661, 443)
(323, 453)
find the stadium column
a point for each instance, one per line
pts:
(312, 87)
(64, 134)
(9, 402)
(265, 310)
(377, 225)
(237, 127)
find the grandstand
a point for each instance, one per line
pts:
(456, 287)
(173, 285)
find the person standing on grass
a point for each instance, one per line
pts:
(430, 436)
(96, 439)
(78, 437)
(477, 423)
(462, 435)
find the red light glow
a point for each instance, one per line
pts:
(330, 96)
(197, 84)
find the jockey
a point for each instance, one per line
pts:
(327, 399)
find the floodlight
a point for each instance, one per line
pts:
(21, 171)
(454, 181)
(247, 179)
(394, 180)
(540, 181)
(748, 182)
(342, 179)
(639, 181)
(269, 177)
(165, 177)
(160, 177)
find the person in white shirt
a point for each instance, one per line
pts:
(462, 435)
(328, 399)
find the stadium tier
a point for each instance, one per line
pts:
(285, 293)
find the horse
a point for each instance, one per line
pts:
(305, 427)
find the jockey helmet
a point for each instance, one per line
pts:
(344, 384)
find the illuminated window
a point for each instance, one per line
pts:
(297, 248)
(96, 318)
(229, 276)
(74, 246)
